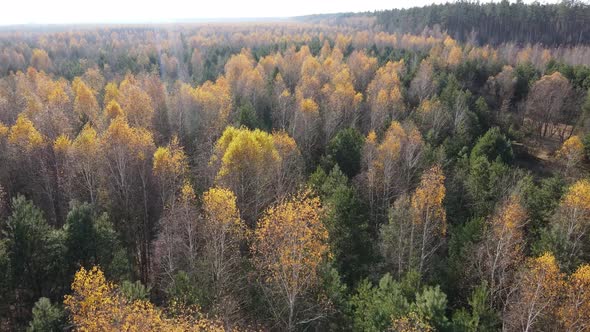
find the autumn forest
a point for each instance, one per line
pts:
(403, 170)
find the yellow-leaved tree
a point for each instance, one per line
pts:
(390, 165)
(248, 161)
(535, 296)
(501, 249)
(416, 227)
(574, 311)
(571, 154)
(86, 149)
(223, 232)
(571, 223)
(170, 165)
(290, 244)
(99, 305)
(85, 104)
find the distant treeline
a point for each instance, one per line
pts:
(566, 23)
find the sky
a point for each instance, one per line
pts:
(145, 11)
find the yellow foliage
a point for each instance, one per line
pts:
(427, 201)
(578, 196)
(3, 130)
(220, 209)
(542, 279)
(98, 305)
(238, 149)
(510, 219)
(85, 104)
(57, 97)
(308, 106)
(574, 312)
(24, 134)
(61, 144)
(572, 151)
(454, 57)
(187, 193)
(113, 110)
(87, 141)
(291, 242)
(170, 159)
(111, 93)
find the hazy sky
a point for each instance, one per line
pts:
(77, 11)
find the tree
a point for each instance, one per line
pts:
(177, 245)
(46, 317)
(91, 240)
(424, 85)
(97, 304)
(429, 213)
(571, 154)
(24, 134)
(345, 150)
(340, 103)
(223, 232)
(574, 310)
(546, 103)
(390, 166)
(362, 69)
(112, 110)
(534, 300)
(384, 95)
(434, 119)
(36, 251)
(85, 104)
(417, 226)
(345, 220)
(503, 87)
(501, 249)
(128, 169)
(570, 225)
(170, 166)
(86, 148)
(493, 145)
(305, 127)
(290, 243)
(135, 102)
(40, 60)
(374, 308)
(248, 162)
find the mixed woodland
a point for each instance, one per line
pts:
(406, 170)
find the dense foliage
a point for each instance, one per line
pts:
(293, 176)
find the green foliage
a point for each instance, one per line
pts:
(481, 317)
(46, 317)
(346, 223)
(494, 146)
(91, 239)
(5, 274)
(431, 305)
(526, 75)
(135, 290)
(462, 241)
(374, 307)
(488, 182)
(344, 150)
(247, 117)
(185, 290)
(36, 251)
(540, 201)
(336, 291)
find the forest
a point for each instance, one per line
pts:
(328, 173)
